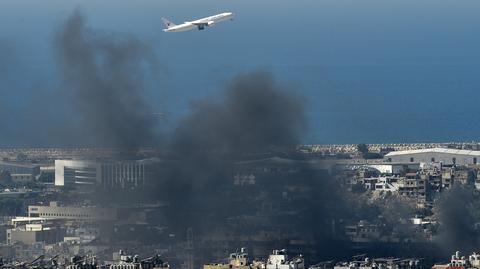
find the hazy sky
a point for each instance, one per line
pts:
(371, 70)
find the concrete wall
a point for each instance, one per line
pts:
(26, 237)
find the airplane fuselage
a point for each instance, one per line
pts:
(200, 23)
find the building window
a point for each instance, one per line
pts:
(411, 159)
(433, 160)
(389, 159)
(474, 160)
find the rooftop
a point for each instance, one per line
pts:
(435, 150)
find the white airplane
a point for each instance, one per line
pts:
(200, 23)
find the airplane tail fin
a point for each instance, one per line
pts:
(168, 23)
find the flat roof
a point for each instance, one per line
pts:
(435, 150)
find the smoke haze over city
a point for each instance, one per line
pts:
(343, 133)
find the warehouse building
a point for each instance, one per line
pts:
(435, 155)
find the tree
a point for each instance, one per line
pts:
(362, 148)
(22, 157)
(372, 155)
(47, 177)
(10, 206)
(5, 176)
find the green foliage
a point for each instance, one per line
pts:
(10, 206)
(366, 154)
(362, 148)
(22, 157)
(372, 155)
(46, 177)
(5, 177)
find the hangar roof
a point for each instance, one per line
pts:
(435, 150)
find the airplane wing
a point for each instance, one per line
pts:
(203, 23)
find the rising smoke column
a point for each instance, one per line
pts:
(254, 115)
(454, 210)
(104, 75)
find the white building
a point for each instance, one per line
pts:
(70, 172)
(438, 155)
(120, 174)
(387, 184)
(394, 168)
(85, 213)
(279, 260)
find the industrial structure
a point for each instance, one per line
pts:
(435, 155)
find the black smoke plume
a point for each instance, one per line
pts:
(256, 118)
(104, 75)
(454, 209)
(256, 115)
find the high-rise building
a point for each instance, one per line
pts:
(108, 174)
